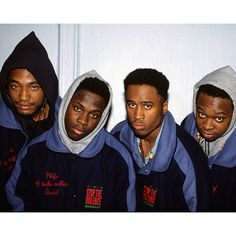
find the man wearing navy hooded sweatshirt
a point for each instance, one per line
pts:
(213, 124)
(28, 102)
(171, 169)
(77, 165)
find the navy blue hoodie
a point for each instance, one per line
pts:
(177, 178)
(58, 174)
(16, 131)
(221, 152)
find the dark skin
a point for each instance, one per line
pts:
(145, 110)
(26, 94)
(213, 116)
(83, 114)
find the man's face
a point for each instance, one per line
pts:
(145, 110)
(83, 114)
(25, 92)
(213, 116)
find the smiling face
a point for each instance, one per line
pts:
(145, 110)
(213, 116)
(83, 114)
(25, 93)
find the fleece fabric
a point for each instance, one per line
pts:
(56, 173)
(17, 131)
(177, 178)
(222, 158)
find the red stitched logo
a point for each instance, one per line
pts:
(51, 183)
(214, 188)
(10, 161)
(149, 195)
(93, 197)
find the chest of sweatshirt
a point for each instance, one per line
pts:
(67, 177)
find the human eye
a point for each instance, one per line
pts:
(147, 106)
(131, 105)
(77, 108)
(94, 115)
(13, 86)
(219, 119)
(34, 87)
(201, 114)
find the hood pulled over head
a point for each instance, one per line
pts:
(78, 146)
(225, 79)
(30, 54)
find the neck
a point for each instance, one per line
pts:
(146, 146)
(42, 114)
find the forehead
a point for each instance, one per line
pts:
(214, 103)
(144, 92)
(21, 76)
(87, 98)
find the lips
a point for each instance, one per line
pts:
(138, 126)
(78, 130)
(207, 135)
(24, 107)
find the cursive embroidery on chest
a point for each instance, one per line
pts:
(51, 184)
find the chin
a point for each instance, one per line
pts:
(25, 114)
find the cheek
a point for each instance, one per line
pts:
(69, 117)
(223, 128)
(130, 113)
(198, 122)
(38, 96)
(12, 95)
(93, 124)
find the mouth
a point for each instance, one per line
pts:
(208, 136)
(24, 107)
(138, 126)
(78, 130)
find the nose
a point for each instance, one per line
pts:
(208, 124)
(83, 118)
(24, 95)
(138, 113)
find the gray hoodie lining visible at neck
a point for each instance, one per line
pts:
(78, 146)
(225, 79)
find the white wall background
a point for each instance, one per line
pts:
(184, 53)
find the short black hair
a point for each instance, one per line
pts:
(149, 77)
(97, 86)
(213, 91)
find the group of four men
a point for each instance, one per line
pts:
(56, 155)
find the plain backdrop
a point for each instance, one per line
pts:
(183, 52)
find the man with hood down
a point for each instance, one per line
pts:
(78, 165)
(212, 124)
(171, 169)
(29, 91)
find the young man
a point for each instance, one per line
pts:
(78, 165)
(212, 124)
(172, 172)
(29, 90)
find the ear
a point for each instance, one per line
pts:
(165, 107)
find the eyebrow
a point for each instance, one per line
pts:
(15, 81)
(141, 101)
(218, 113)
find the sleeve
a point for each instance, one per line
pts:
(15, 202)
(25, 186)
(233, 190)
(121, 186)
(19, 188)
(201, 170)
(125, 184)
